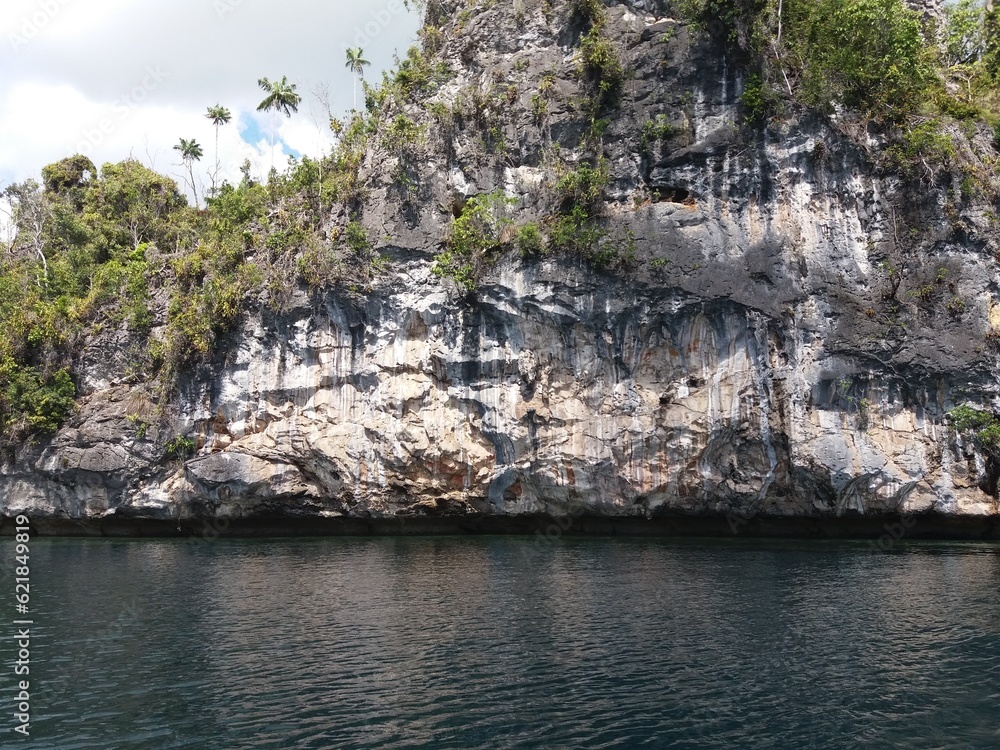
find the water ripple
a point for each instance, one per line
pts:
(500, 643)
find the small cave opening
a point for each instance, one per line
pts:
(672, 195)
(991, 477)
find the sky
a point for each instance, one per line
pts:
(114, 79)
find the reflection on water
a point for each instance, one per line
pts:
(504, 643)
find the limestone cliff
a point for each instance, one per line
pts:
(778, 333)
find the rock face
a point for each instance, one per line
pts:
(781, 335)
(930, 8)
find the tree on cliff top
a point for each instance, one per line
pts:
(190, 153)
(356, 63)
(219, 116)
(868, 55)
(281, 97)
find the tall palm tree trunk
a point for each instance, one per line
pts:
(194, 187)
(272, 139)
(216, 175)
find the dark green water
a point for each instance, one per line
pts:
(508, 643)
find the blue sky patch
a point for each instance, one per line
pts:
(251, 131)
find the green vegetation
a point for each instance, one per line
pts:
(475, 236)
(870, 55)
(601, 65)
(757, 100)
(922, 152)
(867, 54)
(955, 306)
(578, 224)
(219, 116)
(180, 447)
(575, 230)
(281, 97)
(356, 63)
(654, 132)
(539, 107)
(119, 249)
(77, 263)
(402, 134)
(417, 77)
(33, 403)
(588, 12)
(582, 187)
(190, 153)
(487, 108)
(530, 240)
(982, 426)
(540, 99)
(877, 63)
(599, 62)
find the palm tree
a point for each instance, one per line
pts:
(356, 63)
(219, 115)
(280, 96)
(190, 153)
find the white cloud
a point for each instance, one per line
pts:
(114, 78)
(305, 137)
(37, 120)
(23, 21)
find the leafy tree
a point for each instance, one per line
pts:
(281, 97)
(30, 212)
(736, 19)
(69, 176)
(219, 116)
(871, 55)
(33, 403)
(991, 37)
(963, 37)
(356, 63)
(190, 153)
(130, 205)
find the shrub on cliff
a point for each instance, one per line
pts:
(481, 230)
(601, 64)
(735, 21)
(869, 55)
(33, 403)
(981, 426)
